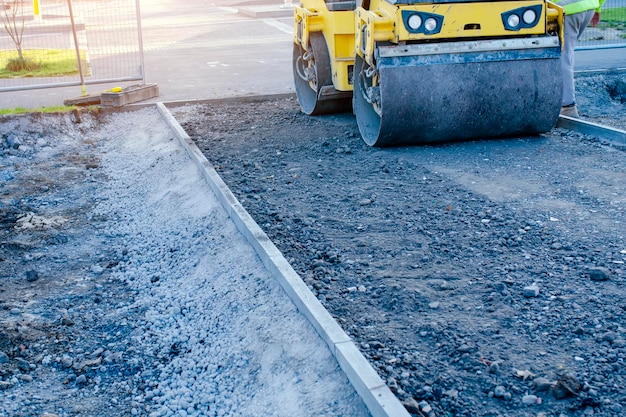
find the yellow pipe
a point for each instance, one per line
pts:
(36, 14)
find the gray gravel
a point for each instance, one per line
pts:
(126, 290)
(481, 279)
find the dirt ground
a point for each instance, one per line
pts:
(483, 278)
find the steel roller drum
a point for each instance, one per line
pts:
(461, 96)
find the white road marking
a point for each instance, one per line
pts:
(279, 25)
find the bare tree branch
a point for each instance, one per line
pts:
(14, 23)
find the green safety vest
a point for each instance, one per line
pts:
(578, 6)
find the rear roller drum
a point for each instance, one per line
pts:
(311, 73)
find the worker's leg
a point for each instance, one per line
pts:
(575, 24)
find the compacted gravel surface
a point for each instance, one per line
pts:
(484, 278)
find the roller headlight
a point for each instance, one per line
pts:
(513, 20)
(529, 16)
(430, 24)
(522, 17)
(414, 22)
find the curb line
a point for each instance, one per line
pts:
(378, 398)
(592, 129)
(265, 11)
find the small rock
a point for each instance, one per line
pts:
(494, 368)
(32, 275)
(542, 384)
(13, 142)
(67, 321)
(451, 393)
(609, 337)
(67, 362)
(87, 363)
(531, 291)
(411, 406)
(4, 358)
(433, 305)
(425, 407)
(499, 391)
(4, 385)
(464, 348)
(531, 400)
(97, 269)
(375, 344)
(81, 379)
(25, 378)
(97, 352)
(567, 385)
(599, 274)
(393, 385)
(22, 364)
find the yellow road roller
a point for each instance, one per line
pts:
(420, 71)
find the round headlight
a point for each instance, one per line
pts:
(414, 22)
(529, 16)
(513, 20)
(430, 24)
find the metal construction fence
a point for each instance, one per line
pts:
(610, 31)
(60, 43)
(41, 42)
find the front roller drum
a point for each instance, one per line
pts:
(441, 102)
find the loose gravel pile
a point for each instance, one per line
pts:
(125, 289)
(483, 278)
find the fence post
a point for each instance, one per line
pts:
(77, 46)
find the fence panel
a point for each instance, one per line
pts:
(106, 33)
(610, 32)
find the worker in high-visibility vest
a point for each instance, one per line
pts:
(578, 14)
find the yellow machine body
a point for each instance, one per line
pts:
(387, 47)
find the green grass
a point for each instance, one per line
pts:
(47, 63)
(613, 18)
(616, 15)
(50, 109)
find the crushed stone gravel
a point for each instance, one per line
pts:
(126, 290)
